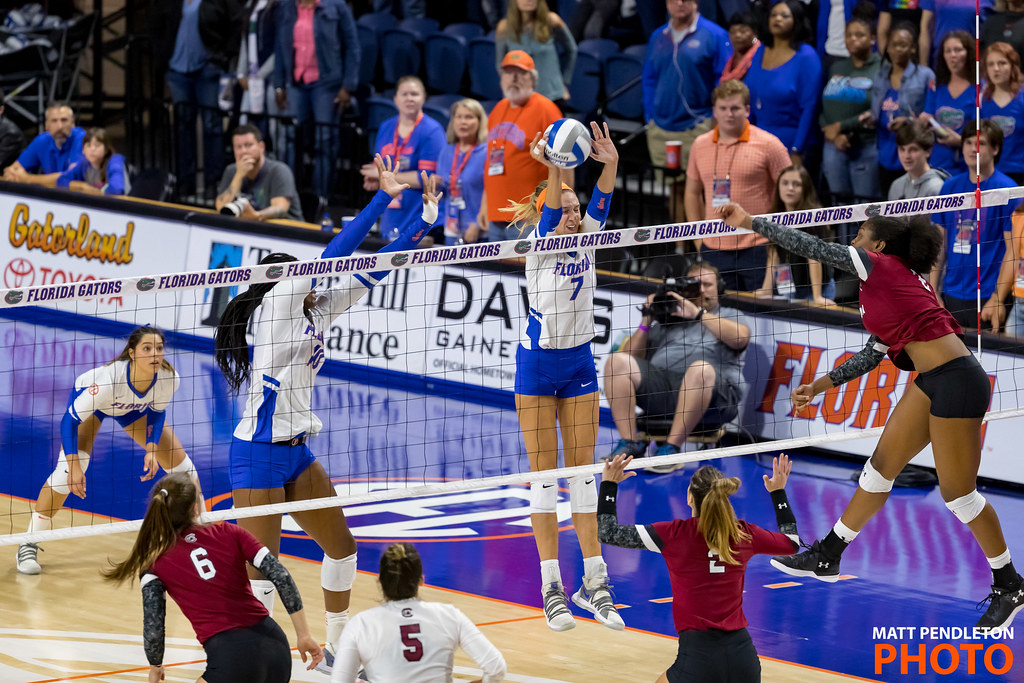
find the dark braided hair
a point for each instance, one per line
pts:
(232, 347)
(916, 239)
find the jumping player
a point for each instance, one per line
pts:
(134, 389)
(943, 406)
(270, 459)
(707, 558)
(203, 569)
(407, 640)
(556, 381)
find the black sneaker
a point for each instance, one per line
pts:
(812, 562)
(632, 447)
(1004, 603)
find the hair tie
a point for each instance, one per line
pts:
(166, 495)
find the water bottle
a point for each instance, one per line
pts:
(327, 225)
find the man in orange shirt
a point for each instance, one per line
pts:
(509, 171)
(735, 162)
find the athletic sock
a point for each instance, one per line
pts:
(832, 546)
(264, 591)
(40, 522)
(593, 565)
(1004, 574)
(549, 572)
(335, 623)
(845, 533)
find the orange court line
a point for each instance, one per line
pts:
(509, 621)
(661, 600)
(784, 584)
(113, 673)
(844, 577)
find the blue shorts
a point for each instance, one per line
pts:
(562, 373)
(262, 465)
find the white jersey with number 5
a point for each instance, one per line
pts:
(411, 641)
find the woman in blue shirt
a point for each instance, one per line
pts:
(461, 170)
(785, 80)
(99, 170)
(1002, 102)
(533, 28)
(950, 100)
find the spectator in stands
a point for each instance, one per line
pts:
(939, 18)
(99, 170)
(12, 140)
(531, 27)
(1002, 101)
(1015, 323)
(414, 140)
(830, 32)
(1005, 25)
(897, 97)
(591, 18)
(461, 167)
(785, 81)
(797, 277)
(255, 66)
(850, 154)
(956, 276)
(511, 173)
(743, 39)
(267, 186)
(950, 99)
(316, 70)
(893, 13)
(687, 366)
(196, 42)
(50, 153)
(734, 162)
(914, 143)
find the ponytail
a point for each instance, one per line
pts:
(525, 212)
(916, 240)
(401, 571)
(716, 520)
(170, 511)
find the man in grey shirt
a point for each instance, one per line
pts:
(689, 370)
(914, 142)
(268, 185)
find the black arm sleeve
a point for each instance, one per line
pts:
(283, 582)
(784, 516)
(609, 531)
(154, 610)
(808, 246)
(865, 360)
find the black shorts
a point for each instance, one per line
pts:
(715, 657)
(658, 396)
(256, 654)
(959, 388)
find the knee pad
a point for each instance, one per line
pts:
(543, 497)
(338, 575)
(185, 466)
(58, 480)
(582, 493)
(966, 508)
(872, 481)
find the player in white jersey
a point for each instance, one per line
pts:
(134, 389)
(270, 461)
(408, 640)
(556, 382)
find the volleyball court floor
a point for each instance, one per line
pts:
(910, 581)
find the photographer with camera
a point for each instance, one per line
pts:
(255, 187)
(684, 362)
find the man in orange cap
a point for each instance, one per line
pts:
(509, 171)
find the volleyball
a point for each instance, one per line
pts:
(568, 143)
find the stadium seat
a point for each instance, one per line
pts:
(369, 45)
(445, 59)
(586, 83)
(378, 110)
(488, 105)
(420, 26)
(483, 77)
(601, 48)
(619, 71)
(465, 30)
(445, 100)
(400, 54)
(378, 21)
(439, 114)
(638, 51)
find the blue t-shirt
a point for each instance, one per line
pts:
(116, 176)
(189, 52)
(43, 156)
(888, 150)
(961, 279)
(953, 113)
(470, 187)
(784, 100)
(418, 152)
(952, 15)
(1010, 120)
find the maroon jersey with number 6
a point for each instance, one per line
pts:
(204, 573)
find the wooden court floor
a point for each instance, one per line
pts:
(69, 625)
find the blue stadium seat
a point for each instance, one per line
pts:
(400, 54)
(483, 77)
(464, 29)
(439, 114)
(638, 51)
(445, 100)
(378, 21)
(488, 105)
(369, 45)
(618, 71)
(601, 48)
(421, 26)
(378, 110)
(445, 59)
(586, 83)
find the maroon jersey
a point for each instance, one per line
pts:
(204, 572)
(898, 305)
(707, 593)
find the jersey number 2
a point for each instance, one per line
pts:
(713, 563)
(203, 565)
(413, 650)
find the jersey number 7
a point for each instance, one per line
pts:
(413, 650)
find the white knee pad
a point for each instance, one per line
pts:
(185, 466)
(582, 493)
(966, 508)
(873, 482)
(543, 498)
(58, 480)
(338, 575)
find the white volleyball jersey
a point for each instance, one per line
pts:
(288, 352)
(411, 641)
(108, 390)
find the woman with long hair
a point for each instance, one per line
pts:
(795, 276)
(556, 382)
(707, 558)
(270, 459)
(203, 569)
(530, 26)
(100, 170)
(406, 639)
(460, 167)
(950, 99)
(943, 406)
(1002, 101)
(134, 389)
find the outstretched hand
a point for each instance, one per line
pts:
(387, 178)
(780, 473)
(735, 215)
(602, 148)
(615, 468)
(430, 193)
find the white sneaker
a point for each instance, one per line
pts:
(556, 608)
(326, 664)
(27, 562)
(595, 597)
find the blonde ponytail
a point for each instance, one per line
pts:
(717, 521)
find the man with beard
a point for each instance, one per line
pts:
(50, 153)
(268, 186)
(509, 171)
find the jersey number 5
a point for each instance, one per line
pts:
(713, 563)
(203, 565)
(413, 649)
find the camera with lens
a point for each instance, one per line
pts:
(235, 207)
(664, 305)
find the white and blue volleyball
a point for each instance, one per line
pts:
(568, 143)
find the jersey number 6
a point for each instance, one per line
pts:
(203, 565)
(413, 650)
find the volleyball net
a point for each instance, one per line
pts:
(416, 389)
